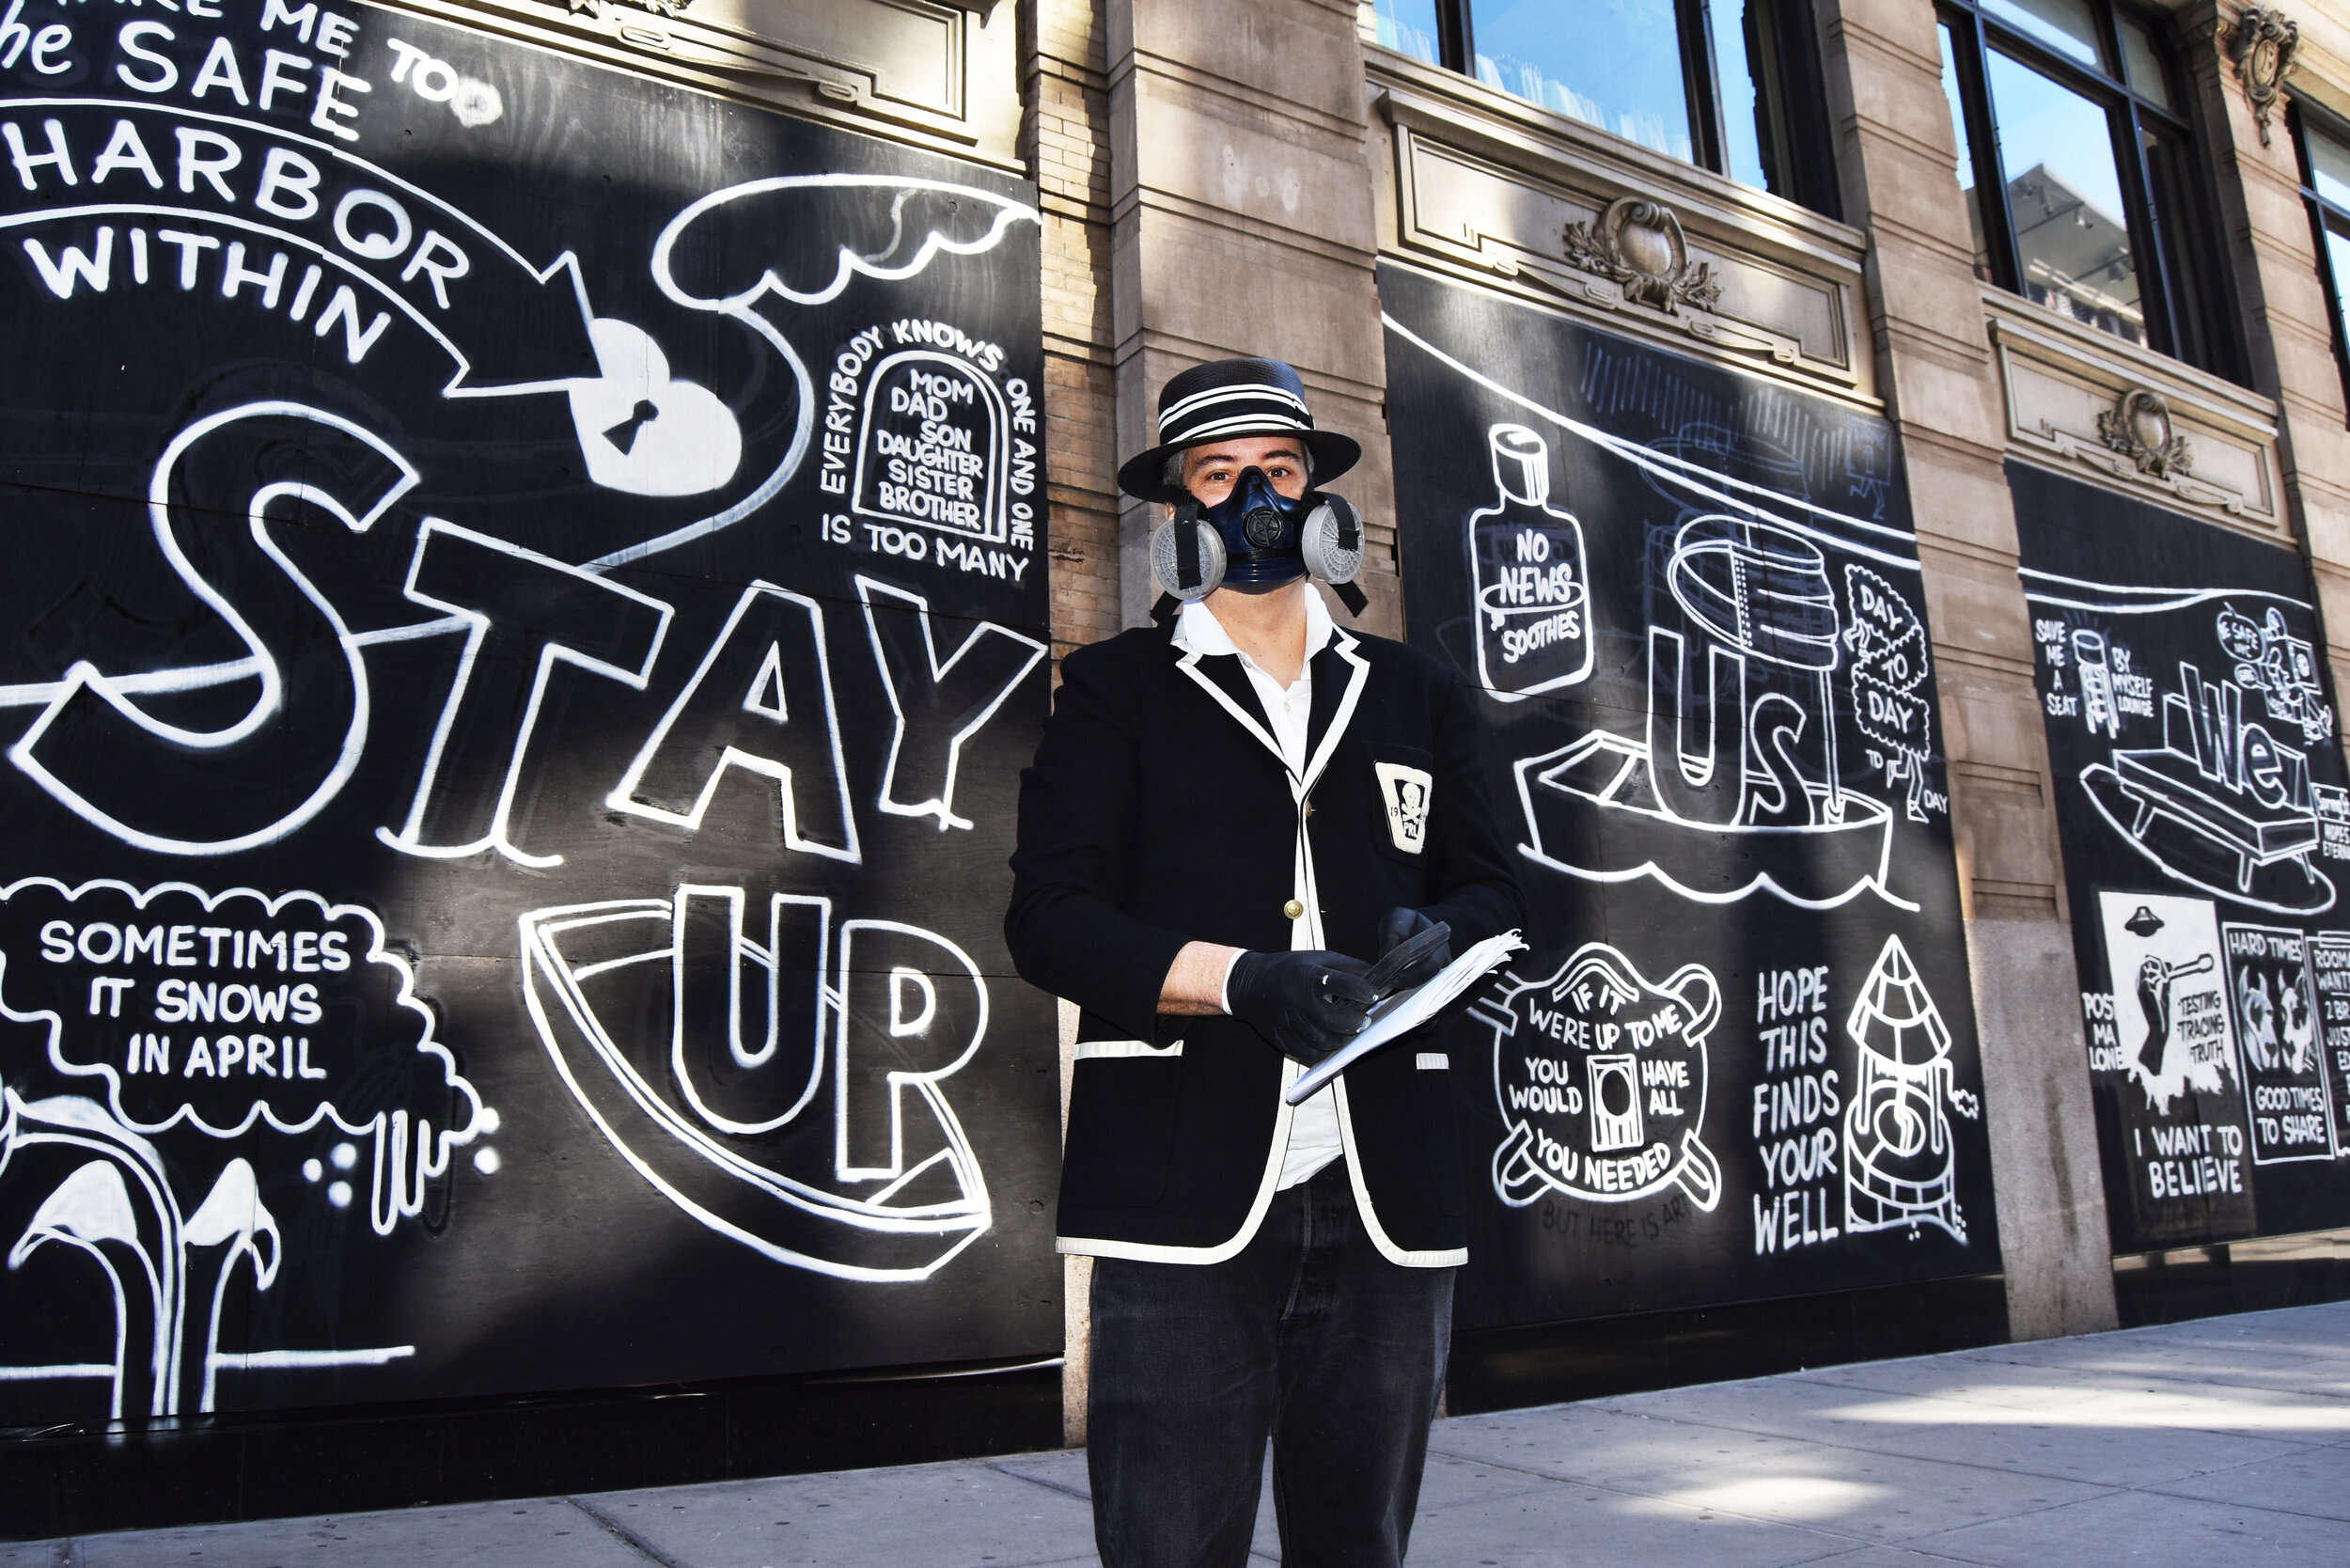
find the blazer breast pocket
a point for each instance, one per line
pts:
(1404, 783)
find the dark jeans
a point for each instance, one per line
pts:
(1308, 1336)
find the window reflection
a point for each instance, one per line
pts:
(1965, 156)
(2329, 165)
(1731, 84)
(2056, 149)
(2338, 252)
(2082, 184)
(2067, 26)
(1733, 23)
(2326, 162)
(1615, 64)
(1408, 27)
(2145, 65)
(2170, 165)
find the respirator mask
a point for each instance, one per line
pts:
(1257, 535)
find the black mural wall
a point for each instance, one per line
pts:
(1739, 1060)
(522, 618)
(2205, 815)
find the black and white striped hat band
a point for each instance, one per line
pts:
(1228, 400)
(1211, 413)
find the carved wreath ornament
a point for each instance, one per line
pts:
(2138, 427)
(1638, 245)
(2263, 43)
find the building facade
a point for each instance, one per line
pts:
(507, 798)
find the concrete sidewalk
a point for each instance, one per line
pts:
(2216, 1442)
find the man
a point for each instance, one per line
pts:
(1226, 818)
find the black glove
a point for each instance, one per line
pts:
(1306, 1005)
(1401, 926)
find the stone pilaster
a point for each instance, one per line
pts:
(1066, 143)
(1065, 138)
(1898, 154)
(2271, 252)
(1241, 224)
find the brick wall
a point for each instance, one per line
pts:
(1065, 138)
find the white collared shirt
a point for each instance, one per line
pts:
(1314, 1140)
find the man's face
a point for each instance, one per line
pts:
(1210, 470)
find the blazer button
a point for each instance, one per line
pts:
(1294, 909)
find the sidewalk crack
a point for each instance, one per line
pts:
(625, 1535)
(1039, 1481)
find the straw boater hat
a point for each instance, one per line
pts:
(1226, 399)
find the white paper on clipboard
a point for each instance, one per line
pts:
(1406, 1010)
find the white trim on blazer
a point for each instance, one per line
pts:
(1307, 934)
(1111, 1050)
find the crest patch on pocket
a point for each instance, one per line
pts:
(1405, 790)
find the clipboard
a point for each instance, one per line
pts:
(1400, 1014)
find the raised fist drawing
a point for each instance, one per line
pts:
(2155, 978)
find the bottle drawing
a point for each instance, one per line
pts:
(2096, 677)
(1528, 568)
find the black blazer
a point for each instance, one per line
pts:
(1159, 811)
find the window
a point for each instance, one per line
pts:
(2077, 160)
(2326, 182)
(1732, 86)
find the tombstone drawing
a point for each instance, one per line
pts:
(931, 450)
(1530, 577)
(1901, 1162)
(1740, 739)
